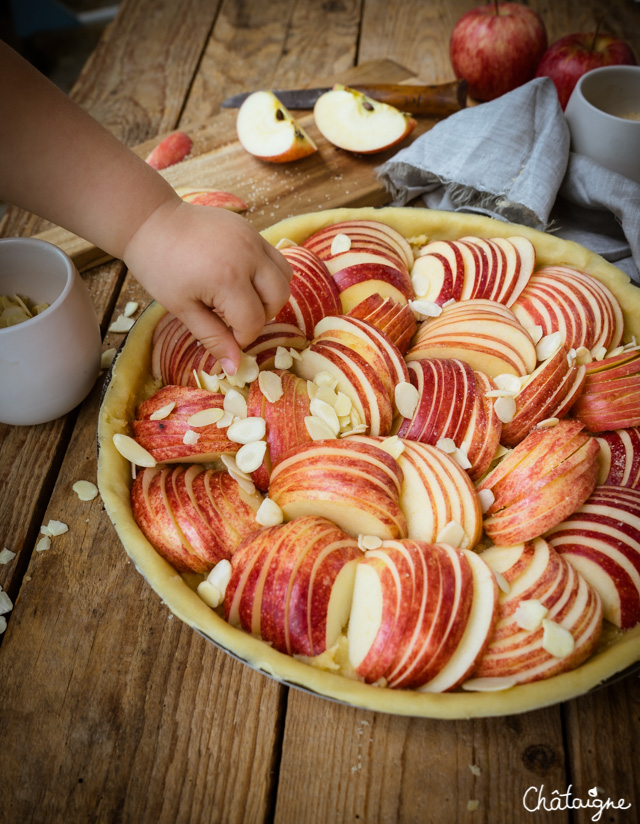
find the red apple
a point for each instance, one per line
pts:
(576, 54)
(496, 48)
(267, 130)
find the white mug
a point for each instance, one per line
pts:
(603, 114)
(49, 363)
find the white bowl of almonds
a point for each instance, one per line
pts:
(49, 333)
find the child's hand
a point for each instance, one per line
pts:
(209, 267)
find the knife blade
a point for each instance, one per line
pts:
(435, 100)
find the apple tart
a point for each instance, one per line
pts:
(420, 494)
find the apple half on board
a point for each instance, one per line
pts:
(131, 383)
(267, 130)
(355, 122)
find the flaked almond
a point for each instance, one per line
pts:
(248, 369)
(324, 378)
(599, 352)
(548, 423)
(393, 446)
(505, 408)
(486, 498)
(285, 243)
(54, 528)
(106, 359)
(510, 383)
(502, 582)
(231, 466)
(529, 614)
(85, 490)
(340, 243)
(406, 397)
(3, 624)
(225, 420)
(460, 457)
(131, 307)
(269, 513)
(326, 394)
(447, 445)
(205, 417)
(209, 382)
(495, 684)
(343, 405)
(6, 555)
(366, 542)
(583, 356)
(617, 351)
(163, 412)
(472, 805)
(250, 456)
(270, 384)
(121, 324)
(360, 429)
(236, 403)
(548, 345)
(354, 415)
(294, 353)
(282, 359)
(247, 430)
(131, 450)
(318, 430)
(6, 605)
(556, 640)
(535, 331)
(312, 389)
(220, 575)
(452, 534)
(326, 413)
(210, 594)
(43, 544)
(420, 283)
(422, 308)
(190, 438)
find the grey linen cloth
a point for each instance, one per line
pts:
(511, 159)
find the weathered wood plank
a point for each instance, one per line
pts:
(30, 456)
(343, 764)
(135, 717)
(603, 749)
(257, 45)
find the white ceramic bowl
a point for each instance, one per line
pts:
(600, 113)
(49, 363)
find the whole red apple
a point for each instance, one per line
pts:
(576, 54)
(496, 48)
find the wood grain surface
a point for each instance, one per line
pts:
(110, 709)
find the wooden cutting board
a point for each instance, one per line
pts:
(328, 179)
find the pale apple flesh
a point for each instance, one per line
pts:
(354, 122)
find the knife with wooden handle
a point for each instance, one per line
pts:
(438, 100)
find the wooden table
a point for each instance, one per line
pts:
(110, 710)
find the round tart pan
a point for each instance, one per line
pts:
(130, 382)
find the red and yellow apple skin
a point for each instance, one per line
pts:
(356, 485)
(534, 571)
(274, 335)
(284, 418)
(601, 539)
(421, 615)
(362, 234)
(176, 353)
(292, 585)
(580, 307)
(314, 293)
(545, 478)
(193, 517)
(395, 319)
(610, 398)
(473, 268)
(164, 439)
(619, 458)
(550, 392)
(484, 334)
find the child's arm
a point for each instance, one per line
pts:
(59, 163)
